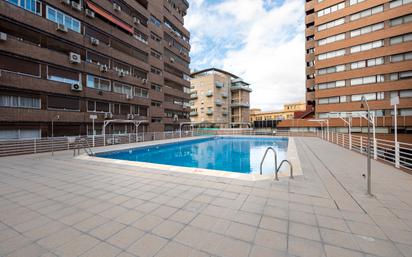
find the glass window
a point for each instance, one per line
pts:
(62, 18)
(98, 83)
(19, 102)
(33, 6)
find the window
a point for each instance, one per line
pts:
(155, 70)
(367, 29)
(20, 133)
(401, 57)
(331, 39)
(98, 59)
(334, 84)
(331, 9)
(61, 75)
(401, 20)
(366, 47)
(122, 88)
(155, 21)
(331, 24)
(367, 12)
(19, 102)
(368, 96)
(155, 37)
(332, 54)
(333, 69)
(139, 110)
(98, 83)
(332, 100)
(401, 75)
(19, 66)
(156, 54)
(367, 63)
(63, 103)
(367, 80)
(63, 19)
(33, 6)
(405, 93)
(396, 3)
(141, 92)
(96, 106)
(156, 104)
(156, 87)
(353, 2)
(400, 39)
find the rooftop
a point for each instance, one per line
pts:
(65, 206)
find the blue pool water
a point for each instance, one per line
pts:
(233, 154)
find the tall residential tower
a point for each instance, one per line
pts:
(358, 48)
(68, 60)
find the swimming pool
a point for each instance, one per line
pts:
(231, 154)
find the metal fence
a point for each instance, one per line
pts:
(398, 154)
(41, 145)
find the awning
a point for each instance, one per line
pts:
(109, 17)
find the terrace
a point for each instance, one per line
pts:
(71, 206)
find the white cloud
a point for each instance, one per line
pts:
(265, 46)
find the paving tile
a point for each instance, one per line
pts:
(406, 250)
(205, 222)
(125, 237)
(56, 239)
(271, 239)
(129, 217)
(339, 238)
(370, 230)
(247, 218)
(304, 247)
(305, 231)
(174, 249)
(332, 223)
(229, 247)
(377, 247)
(12, 244)
(77, 246)
(273, 224)
(91, 223)
(164, 211)
(29, 250)
(106, 230)
(102, 250)
(333, 251)
(260, 251)
(148, 222)
(168, 229)
(241, 231)
(183, 216)
(191, 236)
(147, 246)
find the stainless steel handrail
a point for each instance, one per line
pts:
(83, 143)
(264, 156)
(280, 165)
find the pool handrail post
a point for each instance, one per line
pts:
(263, 159)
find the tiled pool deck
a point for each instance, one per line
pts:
(74, 207)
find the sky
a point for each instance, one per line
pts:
(261, 41)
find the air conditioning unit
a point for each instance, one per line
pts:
(170, 44)
(136, 20)
(94, 41)
(104, 68)
(76, 87)
(76, 6)
(121, 73)
(66, 2)
(144, 81)
(130, 116)
(89, 13)
(117, 7)
(172, 59)
(3, 36)
(74, 58)
(129, 97)
(62, 28)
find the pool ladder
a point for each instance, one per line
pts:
(277, 168)
(83, 143)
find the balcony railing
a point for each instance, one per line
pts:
(209, 93)
(209, 112)
(218, 102)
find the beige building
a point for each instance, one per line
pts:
(220, 98)
(288, 112)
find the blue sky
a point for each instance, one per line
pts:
(260, 40)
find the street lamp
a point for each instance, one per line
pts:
(364, 103)
(57, 117)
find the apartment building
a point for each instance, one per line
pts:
(67, 62)
(357, 48)
(288, 112)
(219, 98)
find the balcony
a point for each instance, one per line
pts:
(209, 112)
(218, 102)
(209, 93)
(193, 113)
(240, 87)
(219, 84)
(238, 103)
(225, 95)
(225, 113)
(193, 96)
